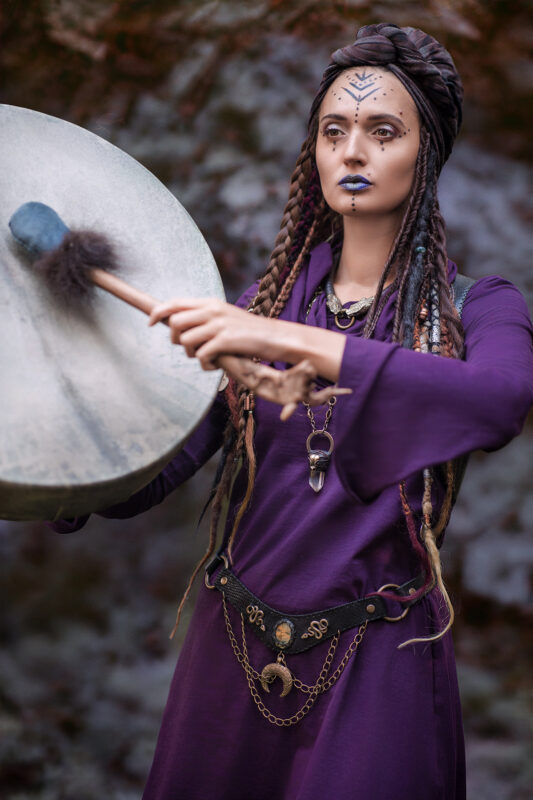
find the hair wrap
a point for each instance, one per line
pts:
(424, 67)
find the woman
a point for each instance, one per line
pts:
(358, 283)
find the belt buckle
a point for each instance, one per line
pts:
(215, 563)
(404, 612)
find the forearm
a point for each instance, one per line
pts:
(293, 342)
(209, 328)
(410, 410)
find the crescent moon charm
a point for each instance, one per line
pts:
(272, 671)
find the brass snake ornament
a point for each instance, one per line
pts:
(273, 671)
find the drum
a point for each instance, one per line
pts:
(93, 402)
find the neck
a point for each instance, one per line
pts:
(365, 250)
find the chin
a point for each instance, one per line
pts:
(361, 207)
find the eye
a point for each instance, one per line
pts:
(332, 132)
(385, 132)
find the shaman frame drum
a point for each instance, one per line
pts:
(93, 403)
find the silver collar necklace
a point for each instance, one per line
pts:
(347, 315)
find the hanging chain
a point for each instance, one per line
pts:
(331, 402)
(351, 650)
(322, 684)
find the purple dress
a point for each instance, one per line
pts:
(391, 725)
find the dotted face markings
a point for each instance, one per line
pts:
(363, 83)
(360, 84)
(402, 132)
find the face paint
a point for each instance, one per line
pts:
(364, 81)
(364, 110)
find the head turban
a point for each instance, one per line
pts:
(422, 64)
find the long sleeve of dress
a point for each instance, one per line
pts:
(410, 410)
(201, 445)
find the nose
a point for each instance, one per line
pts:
(355, 151)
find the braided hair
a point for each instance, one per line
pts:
(425, 316)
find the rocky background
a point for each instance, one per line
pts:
(213, 97)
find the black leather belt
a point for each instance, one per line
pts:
(295, 633)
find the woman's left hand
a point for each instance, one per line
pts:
(208, 328)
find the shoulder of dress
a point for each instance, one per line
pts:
(496, 296)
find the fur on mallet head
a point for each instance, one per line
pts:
(64, 256)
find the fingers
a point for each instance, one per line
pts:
(207, 353)
(179, 304)
(208, 328)
(190, 322)
(193, 337)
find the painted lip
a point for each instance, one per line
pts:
(354, 183)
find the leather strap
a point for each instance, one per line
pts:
(295, 633)
(461, 285)
(460, 288)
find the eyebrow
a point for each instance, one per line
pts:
(339, 117)
(370, 118)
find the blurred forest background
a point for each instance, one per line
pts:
(213, 97)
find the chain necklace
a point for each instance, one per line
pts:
(318, 458)
(322, 684)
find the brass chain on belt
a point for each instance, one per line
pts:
(322, 684)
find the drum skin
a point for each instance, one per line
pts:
(93, 403)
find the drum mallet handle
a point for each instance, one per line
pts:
(146, 303)
(124, 291)
(73, 261)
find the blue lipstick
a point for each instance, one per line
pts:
(354, 183)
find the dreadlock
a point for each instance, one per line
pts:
(426, 320)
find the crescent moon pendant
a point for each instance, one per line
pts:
(272, 671)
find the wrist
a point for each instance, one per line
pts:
(324, 349)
